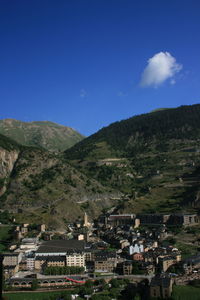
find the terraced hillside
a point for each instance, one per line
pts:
(153, 158)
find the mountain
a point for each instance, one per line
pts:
(148, 163)
(45, 134)
(40, 186)
(153, 132)
(153, 158)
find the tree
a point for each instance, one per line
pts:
(137, 297)
(102, 282)
(130, 292)
(100, 297)
(114, 283)
(85, 291)
(114, 293)
(34, 284)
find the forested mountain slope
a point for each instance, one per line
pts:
(156, 131)
(151, 158)
(148, 163)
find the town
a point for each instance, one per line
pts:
(115, 249)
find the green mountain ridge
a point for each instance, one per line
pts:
(147, 163)
(40, 186)
(149, 157)
(160, 109)
(126, 137)
(48, 135)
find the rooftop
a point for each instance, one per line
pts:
(61, 246)
(160, 281)
(51, 258)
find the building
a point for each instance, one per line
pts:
(42, 227)
(75, 259)
(138, 256)
(49, 261)
(123, 243)
(136, 249)
(10, 271)
(60, 253)
(127, 267)
(105, 265)
(137, 223)
(30, 262)
(11, 263)
(161, 287)
(174, 219)
(79, 236)
(11, 259)
(166, 262)
(60, 247)
(105, 261)
(123, 219)
(85, 222)
(153, 218)
(29, 244)
(183, 219)
(147, 267)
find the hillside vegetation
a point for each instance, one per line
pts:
(148, 163)
(48, 135)
(157, 131)
(153, 158)
(39, 186)
(9, 144)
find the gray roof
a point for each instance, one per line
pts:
(51, 258)
(160, 281)
(61, 246)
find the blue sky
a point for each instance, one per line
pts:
(88, 63)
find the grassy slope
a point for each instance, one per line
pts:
(31, 295)
(185, 293)
(5, 236)
(159, 151)
(49, 135)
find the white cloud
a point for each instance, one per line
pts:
(122, 94)
(83, 93)
(161, 67)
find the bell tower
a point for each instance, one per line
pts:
(85, 223)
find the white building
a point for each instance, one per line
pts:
(29, 244)
(136, 249)
(30, 263)
(75, 259)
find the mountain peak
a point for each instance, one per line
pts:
(46, 134)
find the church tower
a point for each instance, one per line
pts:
(85, 223)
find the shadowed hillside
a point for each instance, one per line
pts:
(147, 157)
(143, 133)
